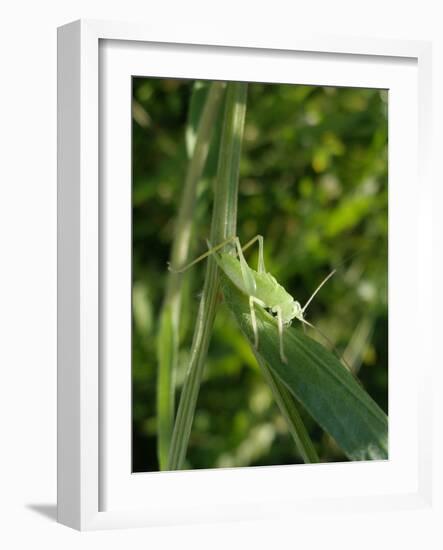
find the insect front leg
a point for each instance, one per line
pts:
(280, 332)
(252, 301)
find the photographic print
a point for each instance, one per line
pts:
(259, 274)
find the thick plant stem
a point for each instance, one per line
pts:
(168, 338)
(288, 408)
(224, 220)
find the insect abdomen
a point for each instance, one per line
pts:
(270, 291)
(231, 268)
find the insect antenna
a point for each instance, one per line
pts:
(325, 280)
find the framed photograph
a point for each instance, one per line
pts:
(240, 241)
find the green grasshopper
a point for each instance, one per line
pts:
(260, 286)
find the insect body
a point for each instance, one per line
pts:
(260, 286)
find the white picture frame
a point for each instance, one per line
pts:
(95, 487)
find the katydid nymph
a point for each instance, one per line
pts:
(261, 287)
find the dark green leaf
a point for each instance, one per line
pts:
(328, 391)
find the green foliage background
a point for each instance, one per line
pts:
(313, 182)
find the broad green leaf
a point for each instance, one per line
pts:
(288, 407)
(327, 390)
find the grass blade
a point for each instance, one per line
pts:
(198, 101)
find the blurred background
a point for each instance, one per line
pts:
(313, 182)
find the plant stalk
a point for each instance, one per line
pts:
(224, 222)
(168, 338)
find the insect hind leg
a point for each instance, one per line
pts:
(261, 263)
(211, 251)
(247, 276)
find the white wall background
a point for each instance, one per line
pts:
(28, 265)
